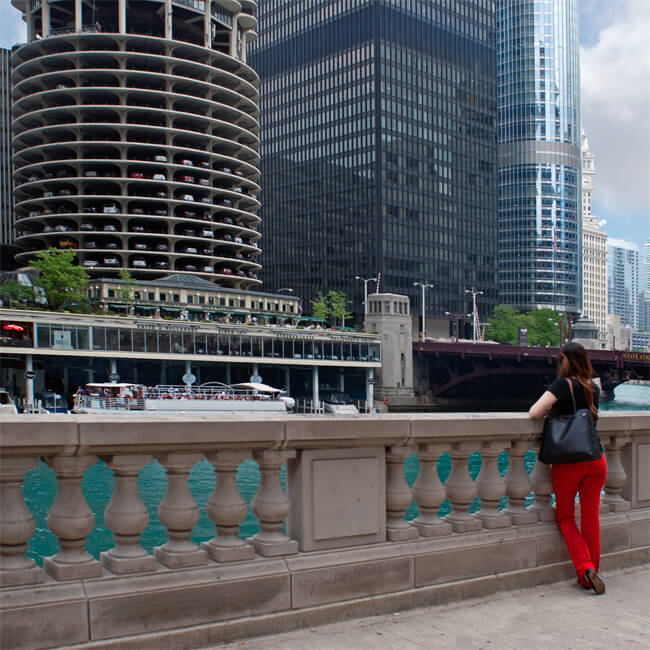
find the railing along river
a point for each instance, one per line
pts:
(345, 490)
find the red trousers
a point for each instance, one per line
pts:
(586, 479)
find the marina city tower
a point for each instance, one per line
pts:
(136, 136)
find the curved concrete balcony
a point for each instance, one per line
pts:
(122, 140)
(336, 544)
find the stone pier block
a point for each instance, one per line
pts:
(338, 498)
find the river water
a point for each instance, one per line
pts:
(40, 490)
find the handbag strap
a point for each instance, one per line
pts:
(573, 399)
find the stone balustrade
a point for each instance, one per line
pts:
(335, 543)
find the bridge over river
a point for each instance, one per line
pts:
(506, 377)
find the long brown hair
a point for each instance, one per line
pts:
(574, 362)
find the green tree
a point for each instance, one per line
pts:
(544, 326)
(503, 325)
(15, 293)
(127, 290)
(63, 282)
(338, 306)
(319, 307)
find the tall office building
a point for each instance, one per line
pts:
(623, 281)
(6, 183)
(539, 154)
(594, 251)
(379, 147)
(644, 289)
(136, 136)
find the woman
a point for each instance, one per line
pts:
(586, 477)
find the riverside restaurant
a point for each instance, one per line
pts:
(59, 351)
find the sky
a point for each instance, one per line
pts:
(615, 100)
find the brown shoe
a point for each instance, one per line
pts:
(596, 582)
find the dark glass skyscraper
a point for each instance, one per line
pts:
(539, 154)
(6, 182)
(379, 147)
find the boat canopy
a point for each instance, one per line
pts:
(260, 388)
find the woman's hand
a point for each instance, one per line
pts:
(543, 405)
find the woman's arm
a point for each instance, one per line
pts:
(543, 405)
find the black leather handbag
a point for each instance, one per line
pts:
(570, 438)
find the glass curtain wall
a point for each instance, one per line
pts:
(379, 147)
(539, 154)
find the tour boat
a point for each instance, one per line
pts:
(207, 398)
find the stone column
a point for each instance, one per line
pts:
(121, 12)
(491, 487)
(234, 36)
(179, 513)
(616, 475)
(518, 485)
(315, 394)
(78, 21)
(207, 25)
(461, 489)
(227, 509)
(543, 487)
(168, 19)
(398, 496)
(17, 524)
(271, 505)
(71, 520)
(127, 517)
(46, 26)
(29, 382)
(429, 493)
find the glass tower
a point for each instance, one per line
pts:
(6, 189)
(539, 154)
(379, 147)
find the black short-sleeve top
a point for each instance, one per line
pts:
(564, 404)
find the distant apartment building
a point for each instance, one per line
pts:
(644, 294)
(623, 281)
(378, 148)
(6, 191)
(540, 231)
(594, 251)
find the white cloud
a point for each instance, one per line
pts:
(616, 111)
(12, 27)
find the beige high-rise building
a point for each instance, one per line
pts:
(594, 252)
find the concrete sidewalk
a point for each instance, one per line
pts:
(548, 617)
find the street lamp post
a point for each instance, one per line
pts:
(424, 286)
(476, 325)
(365, 291)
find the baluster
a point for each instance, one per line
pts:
(227, 509)
(490, 487)
(179, 513)
(127, 517)
(429, 493)
(616, 475)
(398, 496)
(271, 505)
(518, 485)
(71, 520)
(17, 524)
(461, 489)
(542, 483)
